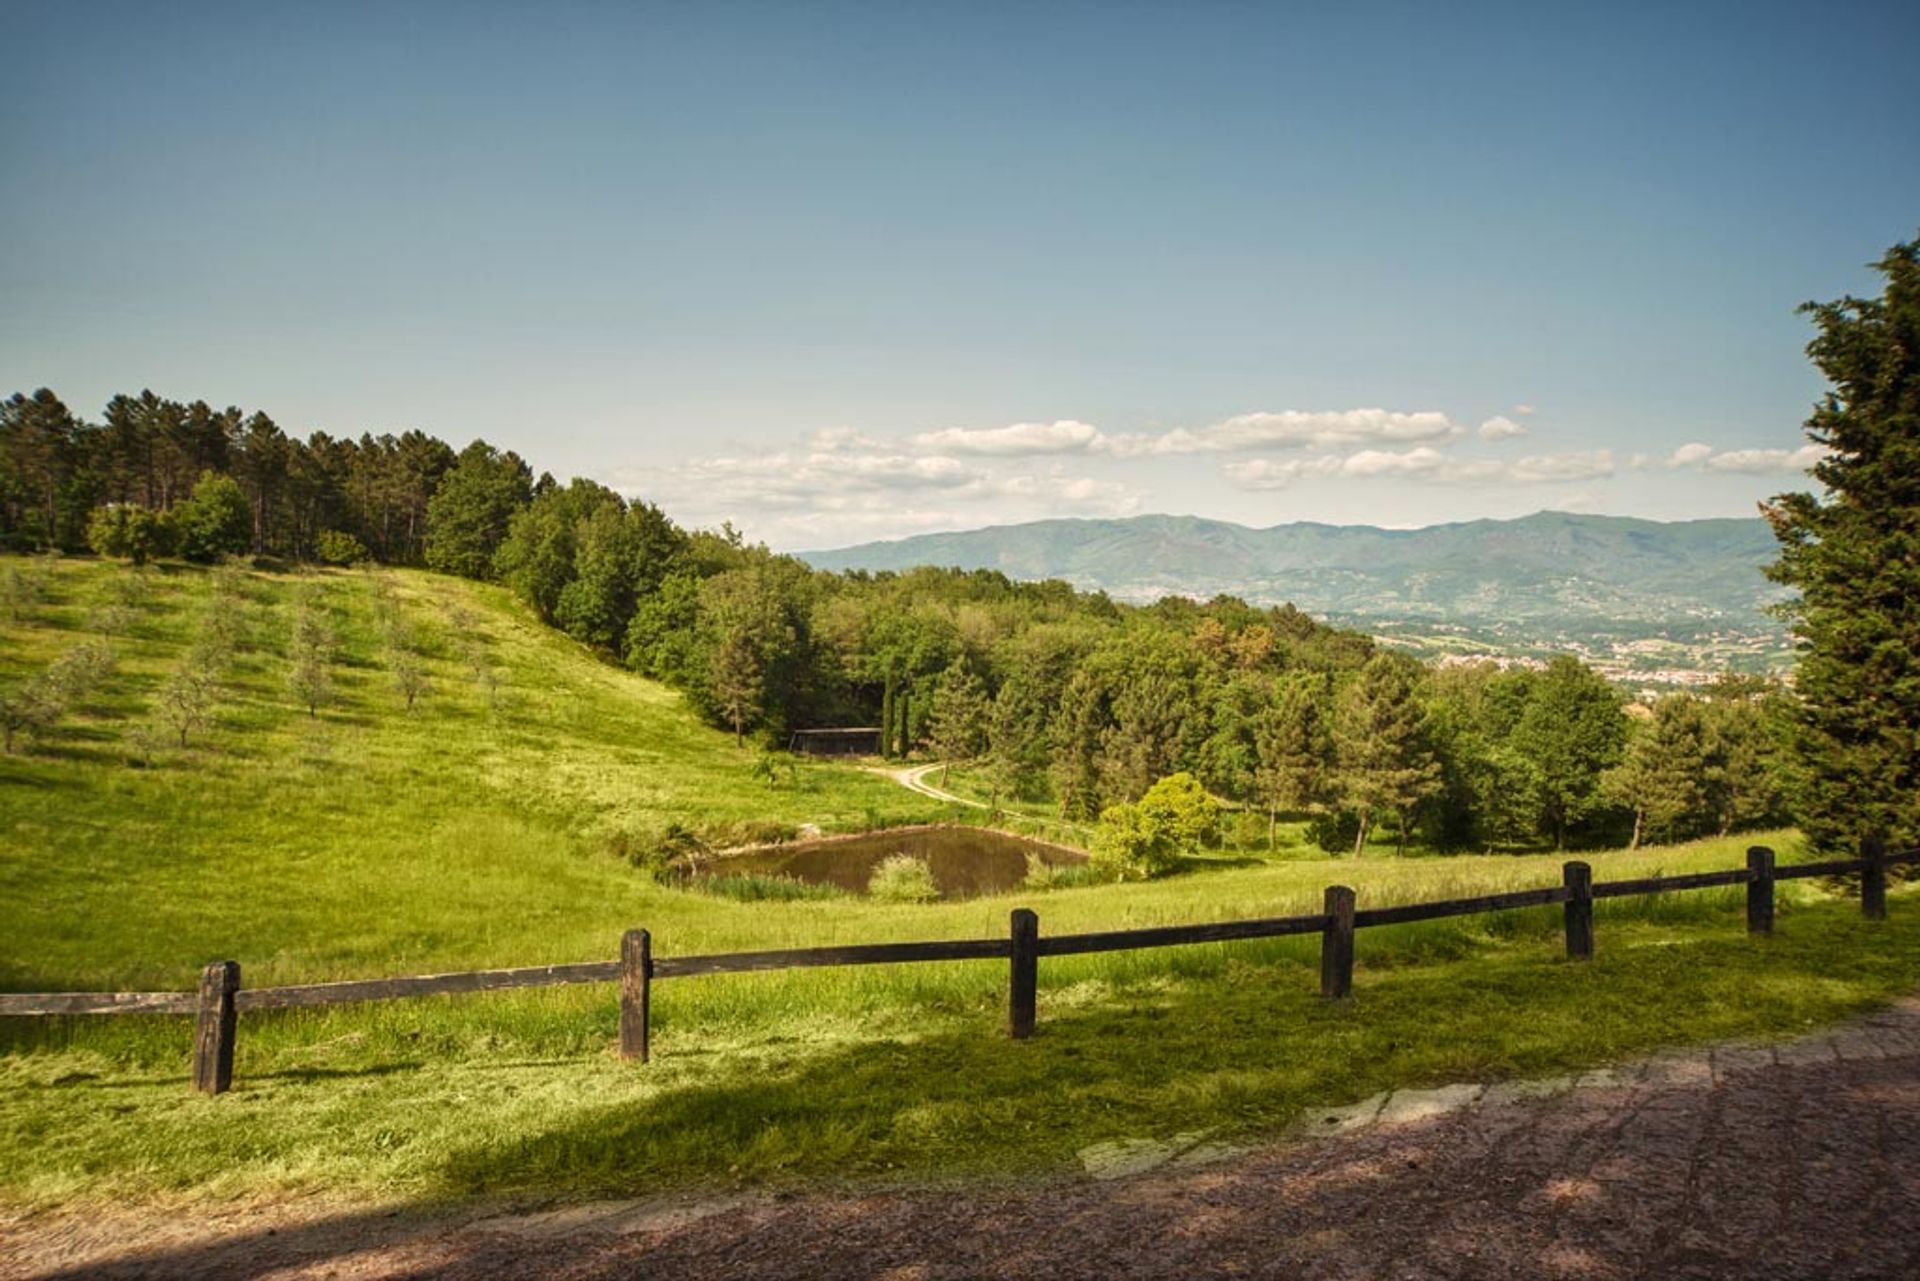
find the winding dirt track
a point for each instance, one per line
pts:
(914, 779)
(1795, 1160)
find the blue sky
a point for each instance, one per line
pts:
(843, 272)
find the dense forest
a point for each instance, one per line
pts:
(1066, 697)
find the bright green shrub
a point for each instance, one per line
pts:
(337, 547)
(902, 878)
(128, 531)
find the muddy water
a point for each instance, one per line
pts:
(966, 862)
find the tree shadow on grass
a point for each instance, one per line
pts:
(1677, 1181)
(1237, 1055)
(1240, 1050)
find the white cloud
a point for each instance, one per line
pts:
(1587, 464)
(1267, 473)
(1066, 436)
(1500, 427)
(1059, 491)
(736, 486)
(1768, 462)
(1383, 462)
(1523, 409)
(833, 440)
(1423, 463)
(849, 488)
(1290, 429)
(1749, 462)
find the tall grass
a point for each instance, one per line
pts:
(761, 887)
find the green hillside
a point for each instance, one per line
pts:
(487, 826)
(491, 826)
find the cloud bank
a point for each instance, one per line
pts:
(842, 484)
(1424, 464)
(1746, 462)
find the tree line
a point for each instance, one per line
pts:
(1067, 698)
(148, 456)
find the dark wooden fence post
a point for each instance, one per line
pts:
(636, 982)
(1873, 879)
(213, 1031)
(1578, 878)
(1023, 985)
(1759, 890)
(1336, 944)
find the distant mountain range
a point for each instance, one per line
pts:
(1536, 580)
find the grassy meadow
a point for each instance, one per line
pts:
(490, 826)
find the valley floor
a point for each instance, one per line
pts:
(1794, 1159)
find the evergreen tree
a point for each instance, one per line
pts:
(1749, 732)
(1853, 554)
(1229, 757)
(1077, 728)
(1017, 736)
(738, 679)
(468, 514)
(1386, 761)
(38, 461)
(1295, 743)
(1666, 775)
(957, 725)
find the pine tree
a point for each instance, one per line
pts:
(1296, 769)
(1666, 775)
(1078, 727)
(957, 726)
(468, 515)
(1385, 759)
(739, 679)
(1748, 733)
(1854, 556)
(37, 459)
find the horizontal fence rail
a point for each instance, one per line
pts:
(221, 997)
(99, 1002)
(1177, 935)
(802, 958)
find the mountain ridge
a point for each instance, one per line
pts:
(1549, 575)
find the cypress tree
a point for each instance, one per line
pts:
(1854, 555)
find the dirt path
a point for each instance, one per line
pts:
(1794, 1160)
(914, 779)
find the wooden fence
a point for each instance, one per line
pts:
(221, 999)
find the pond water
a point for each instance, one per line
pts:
(966, 862)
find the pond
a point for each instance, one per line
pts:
(966, 862)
